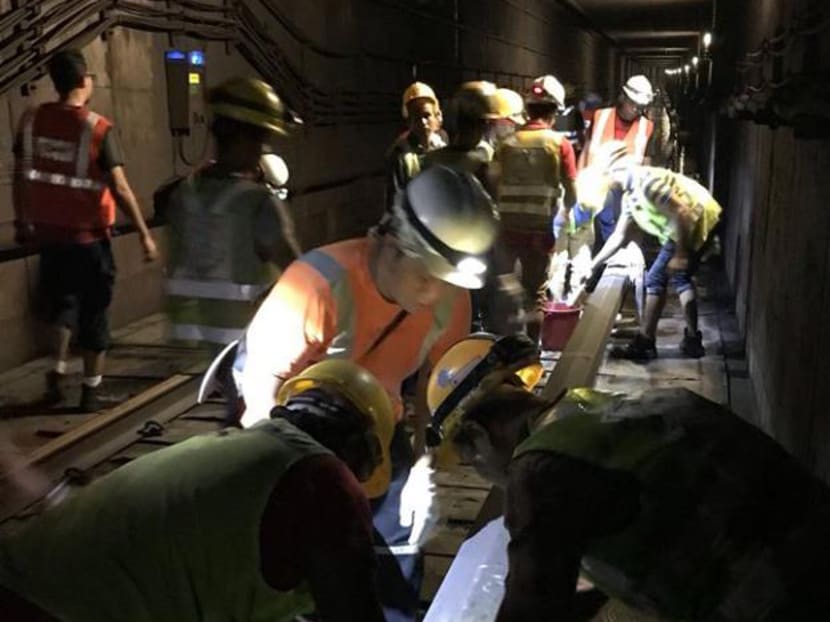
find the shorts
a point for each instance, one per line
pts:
(76, 284)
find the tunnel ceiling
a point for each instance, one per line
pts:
(653, 32)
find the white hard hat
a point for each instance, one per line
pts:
(417, 90)
(638, 89)
(274, 170)
(546, 90)
(447, 220)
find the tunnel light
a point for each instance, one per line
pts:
(695, 61)
(686, 68)
(707, 40)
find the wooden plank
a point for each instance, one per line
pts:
(460, 504)
(461, 477)
(435, 568)
(446, 539)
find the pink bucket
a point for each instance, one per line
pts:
(558, 325)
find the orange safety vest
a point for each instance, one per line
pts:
(602, 131)
(65, 194)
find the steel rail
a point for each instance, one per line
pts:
(91, 443)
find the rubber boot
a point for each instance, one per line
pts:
(641, 348)
(54, 390)
(692, 344)
(90, 400)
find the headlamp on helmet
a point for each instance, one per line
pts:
(446, 219)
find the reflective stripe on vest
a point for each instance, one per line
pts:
(207, 334)
(221, 290)
(56, 179)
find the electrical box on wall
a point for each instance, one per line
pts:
(185, 72)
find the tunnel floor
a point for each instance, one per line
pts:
(140, 359)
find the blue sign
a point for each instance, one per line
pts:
(174, 55)
(197, 57)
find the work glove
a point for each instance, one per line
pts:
(419, 507)
(580, 216)
(561, 223)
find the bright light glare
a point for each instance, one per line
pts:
(686, 68)
(707, 39)
(695, 60)
(472, 265)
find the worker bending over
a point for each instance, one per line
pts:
(669, 504)
(393, 302)
(680, 213)
(266, 523)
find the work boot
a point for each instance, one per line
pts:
(641, 348)
(692, 344)
(54, 391)
(90, 400)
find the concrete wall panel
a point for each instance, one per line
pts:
(372, 48)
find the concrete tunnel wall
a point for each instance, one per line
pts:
(377, 45)
(775, 187)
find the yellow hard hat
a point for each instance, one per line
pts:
(251, 101)
(472, 368)
(511, 106)
(417, 90)
(478, 100)
(360, 388)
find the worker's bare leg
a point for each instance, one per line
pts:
(654, 309)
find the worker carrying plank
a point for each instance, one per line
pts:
(266, 523)
(679, 212)
(672, 506)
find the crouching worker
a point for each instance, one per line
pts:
(266, 523)
(671, 505)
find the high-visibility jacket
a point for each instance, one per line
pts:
(171, 536)
(602, 131)
(653, 197)
(326, 305)
(65, 192)
(702, 474)
(215, 276)
(530, 178)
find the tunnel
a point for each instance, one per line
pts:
(738, 94)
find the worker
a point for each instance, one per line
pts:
(69, 177)
(625, 122)
(230, 235)
(646, 496)
(535, 165)
(473, 107)
(675, 209)
(393, 302)
(261, 524)
(511, 116)
(422, 113)
(473, 112)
